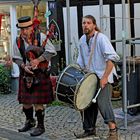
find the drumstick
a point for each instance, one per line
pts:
(94, 99)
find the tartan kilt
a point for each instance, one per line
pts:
(41, 93)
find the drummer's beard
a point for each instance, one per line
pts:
(86, 31)
(89, 32)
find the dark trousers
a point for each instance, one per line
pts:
(89, 117)
(104, 105)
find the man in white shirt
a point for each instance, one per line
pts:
(97, 55)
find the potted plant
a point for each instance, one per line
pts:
(117, 90)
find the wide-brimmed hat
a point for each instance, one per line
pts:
(24, 22)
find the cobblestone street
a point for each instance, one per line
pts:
(62, 121)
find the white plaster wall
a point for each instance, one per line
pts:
(74, 33)
(137, 26)
(118, 22)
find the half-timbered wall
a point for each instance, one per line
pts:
(112, 23)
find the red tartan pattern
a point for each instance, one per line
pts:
(53, 80)
(41, 94)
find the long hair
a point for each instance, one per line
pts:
(93, 20)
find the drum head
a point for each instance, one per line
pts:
(85, 91)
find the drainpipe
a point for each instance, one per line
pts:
(68, 32)
(13, 21)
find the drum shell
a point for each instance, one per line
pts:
(66, 81)
(71, 86)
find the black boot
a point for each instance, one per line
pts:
(30, 121)
(40, 127)
(86, 133)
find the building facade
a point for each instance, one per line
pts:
(9, 12)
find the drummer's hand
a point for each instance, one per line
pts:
(28, 69)
(103, 82)
(34, 63)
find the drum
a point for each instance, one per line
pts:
(76, 87)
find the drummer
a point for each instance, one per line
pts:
(37, 89)
(97, 55)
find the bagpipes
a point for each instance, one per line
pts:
(36, 49)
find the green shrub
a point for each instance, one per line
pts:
(4, 79)
(56, 103)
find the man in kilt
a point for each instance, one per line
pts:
(35, 87)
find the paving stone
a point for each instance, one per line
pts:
(62, 121)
